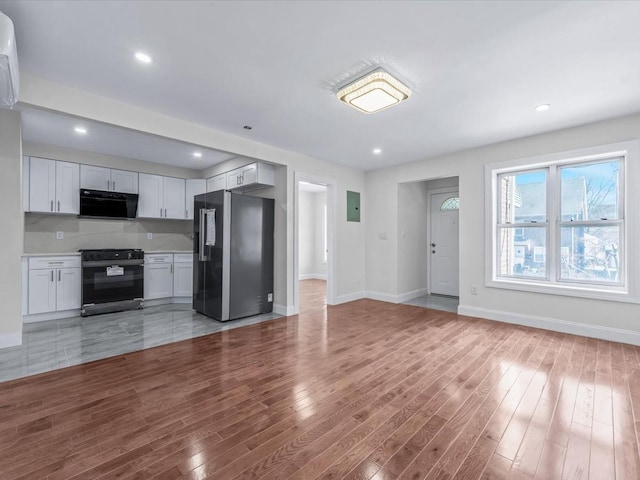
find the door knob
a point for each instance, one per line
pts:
(433, 244)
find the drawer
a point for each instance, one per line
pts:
(183, 257)
(39, 263)
(153, 258)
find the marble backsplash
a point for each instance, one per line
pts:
(40, 234)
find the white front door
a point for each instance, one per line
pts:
(443, 245)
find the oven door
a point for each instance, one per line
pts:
(105, 282)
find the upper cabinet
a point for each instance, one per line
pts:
(109, 179)
(194, 187)
(53, 186)
(219, 182)
(161, 197)
(251, 177)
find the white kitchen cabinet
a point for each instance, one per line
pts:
(251, 177)
(158, 276)
(54, 186)
(54, 284)
(183, 275)
(218, 182)
(108, 179)
(193, 187)
(161, 197)
(174, 198)
(124, 181)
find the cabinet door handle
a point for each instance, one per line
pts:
(171, 269)
(59, 275)
(108, 185)
(160, 213)
(186, 214)
(165, 213)
(52, 205)
(52, 275)
(114, 185)
(58, 205)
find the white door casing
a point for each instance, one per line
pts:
(443, 246)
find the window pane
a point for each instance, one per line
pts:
(522, 252)
(452, 203)
(523, 197)
(590, 253)
(590, 192)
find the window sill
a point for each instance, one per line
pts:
(613, 294)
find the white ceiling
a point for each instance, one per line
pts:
(311, 187)
(51, 128)
(478, 69)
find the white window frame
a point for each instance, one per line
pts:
(628, 288)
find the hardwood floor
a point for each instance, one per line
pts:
(365, 390)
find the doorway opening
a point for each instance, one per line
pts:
(314, 234)
(428, 236)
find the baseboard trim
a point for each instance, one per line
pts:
(312, 276)
(284, 310)
(403, 297)
(45, 317)
(557, 325)
(382, 297)
(349, 297)
(10, 340)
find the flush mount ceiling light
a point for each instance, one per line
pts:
(80, 130)
(197, 154)
(374, 92)
(543, 107)
(377, 151)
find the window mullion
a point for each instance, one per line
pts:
(553, 234)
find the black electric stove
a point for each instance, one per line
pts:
(112, 280)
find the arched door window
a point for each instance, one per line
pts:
(451, 203)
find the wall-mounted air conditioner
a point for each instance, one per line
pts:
(9, 77)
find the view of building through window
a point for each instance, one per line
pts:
(584, 203)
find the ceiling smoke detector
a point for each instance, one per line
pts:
(374, 92)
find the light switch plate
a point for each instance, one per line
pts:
(149, 236)
(59, 235)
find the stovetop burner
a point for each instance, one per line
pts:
(111, 254)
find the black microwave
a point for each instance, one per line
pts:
(99, 203)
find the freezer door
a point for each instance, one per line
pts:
(251, 256)
(208, 257)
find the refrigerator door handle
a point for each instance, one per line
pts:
(201, 255)
(210, 224)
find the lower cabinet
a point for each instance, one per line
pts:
(168, 275)
(158, 276)
(55, 284)
(183, 275)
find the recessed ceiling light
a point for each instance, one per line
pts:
(80, 130)
(197, 154)
(377, 151)
(247, 127)
(374, 92)
(143, 57)
(543, 107)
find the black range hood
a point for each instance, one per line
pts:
(103, 204)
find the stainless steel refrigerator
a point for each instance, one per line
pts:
(233, 255)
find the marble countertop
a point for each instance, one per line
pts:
(65, 254)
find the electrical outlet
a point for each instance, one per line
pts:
(474, 289)
(270, 297)
(59, 235)
(149, 236)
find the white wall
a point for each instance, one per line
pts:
(382, 255)
(350, 236)
(12, 221)
(311, 233)
(412, 239)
